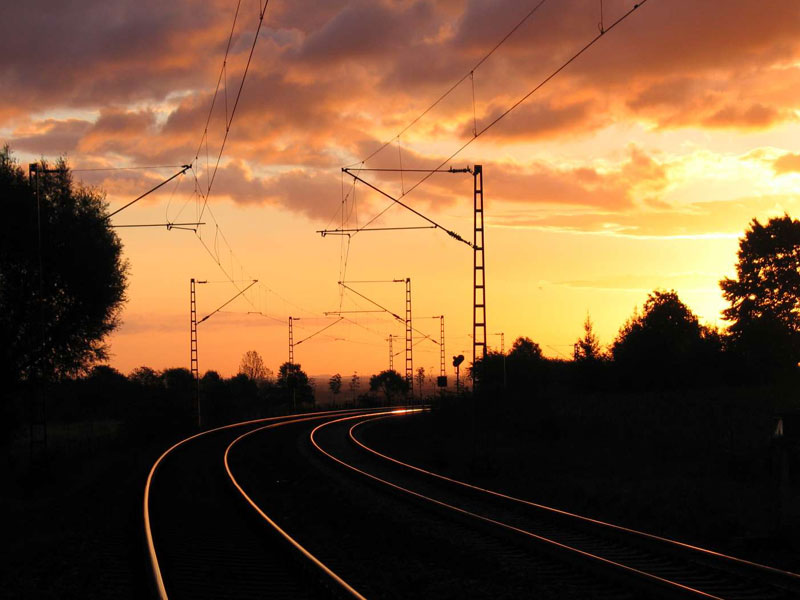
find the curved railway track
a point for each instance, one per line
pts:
(202, 540)
(651, 565)
(301, 507)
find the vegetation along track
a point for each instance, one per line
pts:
(204, 541)
(643, 563)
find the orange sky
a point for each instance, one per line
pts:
(637, 167)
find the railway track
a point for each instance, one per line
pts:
(297, 507)
(644, 564)
(204, 541)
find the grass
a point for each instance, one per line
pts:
(697, 466)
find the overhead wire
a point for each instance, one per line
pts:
(318, 332)
(143, 168)
(229, 122)
(459, 82)
(505, 113)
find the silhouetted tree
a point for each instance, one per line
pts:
(765, 296)
(590, 361)
(526, 367)
(253, 366)
(390, 383)
(355, 383)
(587, 348)
(490, 371)
(293, 383)
(335, 384)
(145, 377)
(525, 348)
(60, 328)
(420, 379)
(666, 345)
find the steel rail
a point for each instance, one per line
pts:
(597, 561)
(155, 568)
(322, 568)
(705, 553)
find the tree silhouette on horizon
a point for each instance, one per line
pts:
(56, 325)
(764, 296)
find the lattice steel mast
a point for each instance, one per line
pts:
(479, 273)
(193, 362)
(409, 340)
(291, 339)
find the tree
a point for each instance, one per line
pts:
(590, 362)
(294, 384)
(390, 382)
(587, 348)
(420, 379)
(54, 320)
(335, 384)
(145, 377)
(525, 348)
(253, 366)
(355, 383)
(666, 345)
(765, 295)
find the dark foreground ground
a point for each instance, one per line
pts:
(700, 467)
(73, 528)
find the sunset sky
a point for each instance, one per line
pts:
(637, 167)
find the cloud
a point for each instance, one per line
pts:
(329, 80)
(788, 163)
(51, 136)
(301, 191)
(639, 282)
(699, 220)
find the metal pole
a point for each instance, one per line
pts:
(478, 275)
(409, 340)
(291, 339)
(193, 359)
(38, 424)
(442, 372)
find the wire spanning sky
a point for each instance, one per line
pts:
(637, 167)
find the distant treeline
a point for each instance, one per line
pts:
(154, 403)
(663, 347)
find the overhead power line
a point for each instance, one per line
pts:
(229, 122)
(457, 83)
(479, 133)
(150, 168)
(183, 170)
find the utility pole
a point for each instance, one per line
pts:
(442, 371)
(193, 363)
(479, 275)
(391, 353)
(409, 339)
(477, 245)
(193, 360)
(38, 423)
(291, 339)
(502, 341)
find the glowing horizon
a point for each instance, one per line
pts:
(638, 167)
